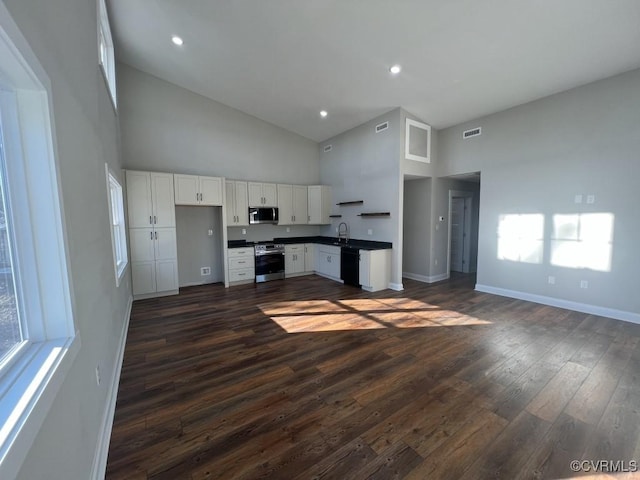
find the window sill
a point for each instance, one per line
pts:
(27, 392)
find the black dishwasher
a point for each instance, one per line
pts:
(350, 266)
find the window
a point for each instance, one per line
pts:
(10, 324)
(106, 55)
(116, 216)
(37, 328)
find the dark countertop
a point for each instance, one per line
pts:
(353, 242)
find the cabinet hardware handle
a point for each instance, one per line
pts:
(241, 274)
(156, 235)
(242, 262)
(151, 235)
(155, 219)
(150, 220)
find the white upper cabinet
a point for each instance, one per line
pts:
(197, 190)
(292, 205)
(263, 194)
(319, 204)
(237, 204)
(150, 200)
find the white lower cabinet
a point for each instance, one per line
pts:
(328, 261)
(294, 257)
(241, 265)
(154, 260)
(375, 269)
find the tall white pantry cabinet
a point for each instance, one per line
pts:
(152, 233)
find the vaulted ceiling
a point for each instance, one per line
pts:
(284, 61)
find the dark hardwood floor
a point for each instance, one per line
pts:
(306, 378)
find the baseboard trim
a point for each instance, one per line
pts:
(560, 303)
(398, 287)
(425, 278)
(99, 467)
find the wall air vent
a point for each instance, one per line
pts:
(382, 127)
(474, 132)
(327, 148)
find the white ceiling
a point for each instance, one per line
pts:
(285, 60)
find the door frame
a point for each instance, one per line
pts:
(467, 229)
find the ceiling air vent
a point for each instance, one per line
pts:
(474, 132)
(327, 148)
(382, 127)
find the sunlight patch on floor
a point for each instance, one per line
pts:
(362, 314)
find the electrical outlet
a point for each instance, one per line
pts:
(370, 232)
(244, 231)
(552, 280)
(584, 284)
(577, 199)
(288, 229)
(204, 271)
(98, 375)
(436, 261)
(591, 199)
(210, 232)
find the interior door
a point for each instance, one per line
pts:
(457, 233)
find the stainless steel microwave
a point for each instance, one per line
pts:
(263, 215)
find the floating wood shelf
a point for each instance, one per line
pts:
(374, 214)
(354, 202)
(335, 216)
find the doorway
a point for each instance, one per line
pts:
(460, 213)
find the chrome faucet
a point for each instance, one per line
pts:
(343, 233)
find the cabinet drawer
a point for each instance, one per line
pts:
(241, 252)
(241, 262)
(241, 274)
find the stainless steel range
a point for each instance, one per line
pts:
(269, 261)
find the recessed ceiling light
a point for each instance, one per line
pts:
(323, 113)
(395, 69)
(177, 40)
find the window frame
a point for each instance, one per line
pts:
(32, 376)
(117, 224)
(106, 54)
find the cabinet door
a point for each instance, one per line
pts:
(210, 191)
(285, 205)
(142, 244)
(255, 195)
(230, 204)
(309, 257)
(139, 199)
(299, 203)
(288, 263)
(314, 204)
(166, 275)
(270, 194)
(242, 204)
(143, 277)
(186, 189)
(165, 244)
(164, 206)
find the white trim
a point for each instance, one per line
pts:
(467, 242)
(99, 466)
(398, 287)
(50, 363)
(560, 303)
(425, 278)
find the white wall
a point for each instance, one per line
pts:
(196, 248)
(63, 35)
(535, 159)
(364, 165)
(167, 128)
(416, 251)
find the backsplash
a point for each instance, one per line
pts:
(256, 233)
